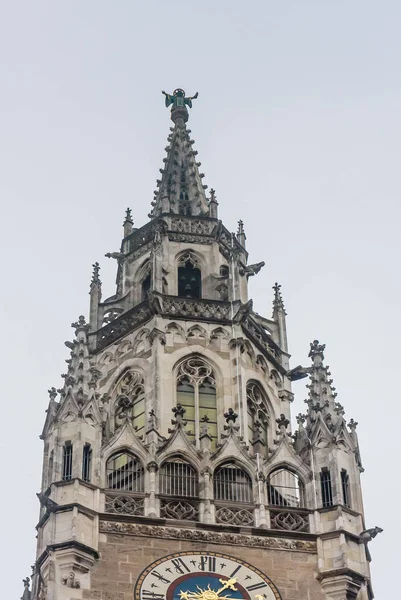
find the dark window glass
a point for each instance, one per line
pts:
(86, 462)
(145, 287)
(345, 487)
(186, 397)
(327, 492)
(67, 461)
(189, 281)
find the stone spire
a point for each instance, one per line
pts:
(241, 237)
(322, 403)
(180, 189)
(279, 315)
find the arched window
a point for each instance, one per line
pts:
(196, 392)
(178, 478)
(189, 277)
(145, 288)
(284, 488)
(258, 419)
(232, 484)
(125, 472)
(130, 402)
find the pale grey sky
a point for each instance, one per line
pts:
(298, 129)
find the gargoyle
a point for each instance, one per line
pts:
(250, 270)
(45, 501)
(368, 534)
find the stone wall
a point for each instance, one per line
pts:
(123, 557)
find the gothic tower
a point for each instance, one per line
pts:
(170, 469)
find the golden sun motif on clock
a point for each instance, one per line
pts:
(203, 576)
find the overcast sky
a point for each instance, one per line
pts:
(298, 129)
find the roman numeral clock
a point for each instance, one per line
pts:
(203, 576)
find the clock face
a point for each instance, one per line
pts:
(203, 576)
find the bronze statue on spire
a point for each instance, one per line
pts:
(179, 102)
(178, 99)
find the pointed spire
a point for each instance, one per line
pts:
(180, 189)
(322, 393)
(241, 237)
(279, 315)
(95, 275)
(128, 222)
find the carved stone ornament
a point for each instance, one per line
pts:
(289, 521)
(179, 509)
(124, 505)
(211, 537)
(71, 581)
(234, 516)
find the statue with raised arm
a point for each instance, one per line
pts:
(178, 99)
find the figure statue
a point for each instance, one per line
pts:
(178, 99)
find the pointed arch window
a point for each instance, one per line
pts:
(285, 488)
(130, 402)
(189, 277)
(232, 484)
(326, 488)
(196, 392)
(178, 478)
(258, 417)
(125, 472)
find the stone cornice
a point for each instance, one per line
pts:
(208, 535)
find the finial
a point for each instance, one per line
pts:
(128, 216)
(179, 412)
(213, 204)
(300, 419)
(80, 324)
(52, 393)
(352, 425)
(95, 275)
(179, 102)
(278, 303)
(283, 423)
(128, 222)
(316, 350)
(230, 415)
(240, 227)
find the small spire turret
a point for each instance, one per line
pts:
(279, 315)
(128, 222)
(241, 237)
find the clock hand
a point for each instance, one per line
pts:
(229, 583)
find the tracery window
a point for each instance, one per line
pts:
(232, 484)
(178, 478)
(125, 472)
(130, 401)
(258, 418)
(284, 488)
(189, 277)
(196, 392)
